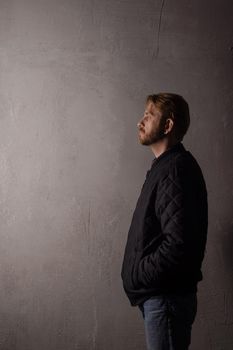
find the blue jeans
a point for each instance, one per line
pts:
(168, 321)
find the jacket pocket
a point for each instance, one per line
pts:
(146, 269)
(136, 281)
(134, 275)
(128, 275)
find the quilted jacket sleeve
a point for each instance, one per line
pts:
(172, 210)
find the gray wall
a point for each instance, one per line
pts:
(73, 79)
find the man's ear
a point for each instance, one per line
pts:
(168, 125)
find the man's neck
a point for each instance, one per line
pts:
(162, 145)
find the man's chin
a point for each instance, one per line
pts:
(143, 142)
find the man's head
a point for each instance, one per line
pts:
(166, 116)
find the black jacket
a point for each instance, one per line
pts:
(167, 237)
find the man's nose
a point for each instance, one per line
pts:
(140, 123)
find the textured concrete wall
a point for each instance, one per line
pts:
(73, 78)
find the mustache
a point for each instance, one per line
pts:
(139, 127)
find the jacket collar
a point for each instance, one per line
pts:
(177, 147)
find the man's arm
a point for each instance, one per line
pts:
(171, 211)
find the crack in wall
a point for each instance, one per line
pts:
(95, 327)
(159, 26)
(88, 228)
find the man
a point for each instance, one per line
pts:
(167, 237)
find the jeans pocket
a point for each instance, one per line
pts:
(155, 304)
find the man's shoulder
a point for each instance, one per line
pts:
(181, 162)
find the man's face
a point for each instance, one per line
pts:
(151, 126)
